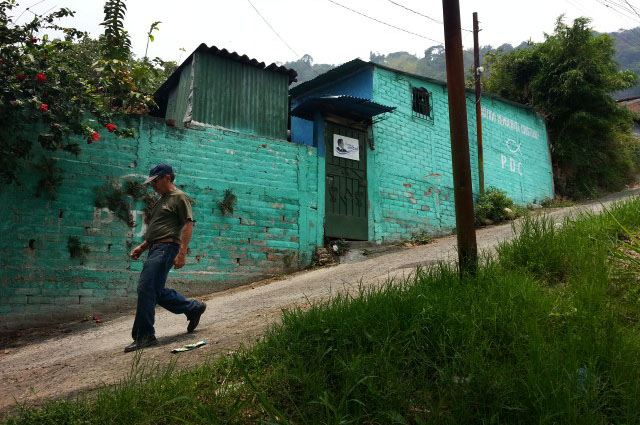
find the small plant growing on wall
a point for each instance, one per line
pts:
(288, 258)
(50, 179)
(113, 196)
(228, 201)
(139, 191)
(77, 249)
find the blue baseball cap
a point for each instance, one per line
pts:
(159, 170)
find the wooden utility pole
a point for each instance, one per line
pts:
(465, 222)
(476, 73)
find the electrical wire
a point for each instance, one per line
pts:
(611, 5)
(274, 31)
(385, 23)
(423, 15)
(27, 8)
(632, 38)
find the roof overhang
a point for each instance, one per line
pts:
(349, 107)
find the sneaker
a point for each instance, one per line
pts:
(138, 345)
(194, 317)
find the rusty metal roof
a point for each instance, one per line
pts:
(163, 92)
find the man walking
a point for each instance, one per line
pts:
(167, 239)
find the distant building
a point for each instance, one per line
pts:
(633, 104)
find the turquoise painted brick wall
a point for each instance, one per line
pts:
(515, 149)
(275, 183)
(410, 172)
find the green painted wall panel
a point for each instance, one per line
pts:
(410, 174)
(178, 102)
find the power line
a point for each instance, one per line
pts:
(384, 23)
(27, 8)
(633, 41)
(628, 8)
(618, 10)
(423, 15)
(272, 29)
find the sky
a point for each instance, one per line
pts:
(327, 31)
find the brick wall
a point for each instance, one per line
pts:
(274, 181)
(410, 171)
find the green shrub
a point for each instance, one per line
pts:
(495, 206)
(422, 237)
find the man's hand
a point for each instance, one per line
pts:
(179, 261)
(137, 251)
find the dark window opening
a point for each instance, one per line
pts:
(421, 102)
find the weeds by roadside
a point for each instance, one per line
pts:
(546, 333)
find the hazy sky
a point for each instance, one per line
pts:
(326, 31)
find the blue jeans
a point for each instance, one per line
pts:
(151, 290)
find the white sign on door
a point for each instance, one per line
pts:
(346, 147)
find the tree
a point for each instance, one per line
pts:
(569, 78)
(62, 87)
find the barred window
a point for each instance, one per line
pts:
(421, 102)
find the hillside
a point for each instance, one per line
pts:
(432, 63)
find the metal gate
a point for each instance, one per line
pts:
(346, 183)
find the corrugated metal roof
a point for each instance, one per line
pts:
(355, 64)
(346, 105)
(161, 95)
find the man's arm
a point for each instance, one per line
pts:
(180, 259)
(137, 251)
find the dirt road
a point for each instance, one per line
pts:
(66, 360)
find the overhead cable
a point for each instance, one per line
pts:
(423, 15)
(274, 31)
(385, 23)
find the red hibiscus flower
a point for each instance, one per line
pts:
(110, 127)
(34, 40)
(93, 138)
(44, 107)
(40, 78)
(21, 77)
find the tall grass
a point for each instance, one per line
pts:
(546, 333)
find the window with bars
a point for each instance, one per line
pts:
(421, 103)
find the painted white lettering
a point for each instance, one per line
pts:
(102, 215)
(143, 226)
(503, 160)
(512, 165)
(509, 123)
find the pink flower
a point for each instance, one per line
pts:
(21, 77)
(41, 78)
(110, 127)
(44, 107)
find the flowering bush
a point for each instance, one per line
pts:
(44, 85)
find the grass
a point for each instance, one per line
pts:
(546, 333)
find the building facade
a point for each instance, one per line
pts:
(404, 182)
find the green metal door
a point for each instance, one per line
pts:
(346, 183)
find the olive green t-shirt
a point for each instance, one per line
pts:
(169, 216)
